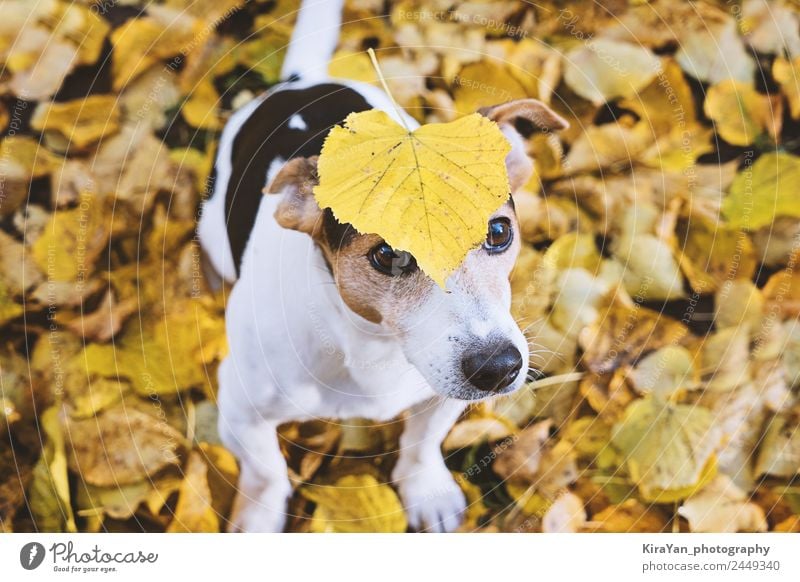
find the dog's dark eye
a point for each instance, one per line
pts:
(499, 236)
(390, 262)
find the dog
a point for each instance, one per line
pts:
(324, 321)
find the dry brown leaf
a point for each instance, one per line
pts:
(121, 446)
(721, 507)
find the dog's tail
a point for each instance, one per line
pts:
(314, 39)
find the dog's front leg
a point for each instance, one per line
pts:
(432, 499)
(264, 486)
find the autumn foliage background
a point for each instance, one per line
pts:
(658, 282)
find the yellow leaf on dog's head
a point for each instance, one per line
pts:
(429, 192)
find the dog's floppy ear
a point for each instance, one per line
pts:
(508, 116)
(298, 209)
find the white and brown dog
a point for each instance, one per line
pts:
(324, 321)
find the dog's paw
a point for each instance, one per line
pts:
(266, 514)
(431, 498)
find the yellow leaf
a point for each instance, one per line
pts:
(199, 163)
(779, 451)
(23, 158)
(602, 69)
(739, 112)
(49, 491)
(669, 448)
(787, 73)
(664, 371)
(356, 504)
(223, 474)
(352, 65)
(666, 102)
(141, 42)
(610, 145)
(429, 192)
(9, 309)
(573, 250)
(81, 121)
(712, 254)
(473, 431)
(528, 500)
(82, 26)
(763, 191)
(590, 437)
(483, 84)
(264, 54)
(200, 110)
(194, 512)
(72, 240)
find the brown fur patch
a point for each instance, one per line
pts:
(298, 209)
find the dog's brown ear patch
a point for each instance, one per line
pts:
(298, 209)
(506, 115)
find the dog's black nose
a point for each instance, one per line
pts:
(493, 367)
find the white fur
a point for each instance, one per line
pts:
(296, 121)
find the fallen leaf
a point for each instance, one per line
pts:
(121, 446)
(49, 492)
(520, 460)
(566, 515)
(669, 448)
(741, 115)
(622, 334)
(602, 70)
(721, 507)
(714, 52)
(763, 191)
(630, 516)
(664, 371)
(200, 110)
(194, 512)
(73, 240)
(355, 503)
(81, 122)
(779, 452)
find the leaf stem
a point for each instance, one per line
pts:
(381, 78)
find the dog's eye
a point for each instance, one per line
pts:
(390, 262)
(499, 236)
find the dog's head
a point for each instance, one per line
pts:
(463, 340)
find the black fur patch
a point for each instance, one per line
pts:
(338, 234)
